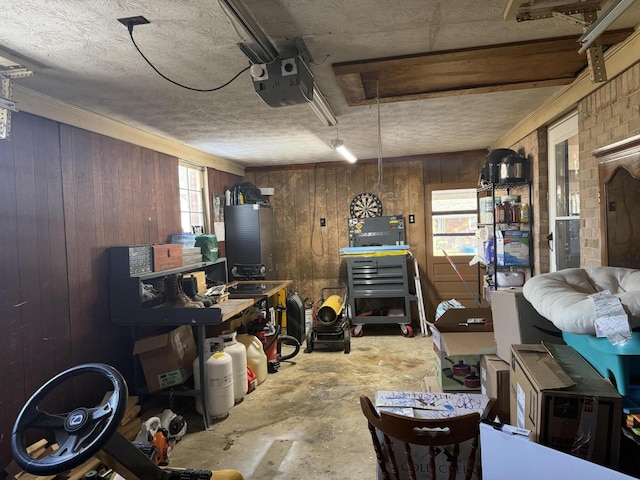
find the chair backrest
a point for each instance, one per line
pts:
(435, 434)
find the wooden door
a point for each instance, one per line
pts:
(443, 282)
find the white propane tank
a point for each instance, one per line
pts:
(256, 358)
(238, 354)
(219, 382)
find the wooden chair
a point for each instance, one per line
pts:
(435, 434)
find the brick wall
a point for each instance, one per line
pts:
(610, 114)
(534, 148)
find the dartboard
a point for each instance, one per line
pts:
(365, 205)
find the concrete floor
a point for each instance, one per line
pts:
(305, 420)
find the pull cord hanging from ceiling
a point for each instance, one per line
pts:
(379, 184)
(130, 26)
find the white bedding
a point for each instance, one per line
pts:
(563, 296)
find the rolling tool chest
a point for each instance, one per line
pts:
(383, 280)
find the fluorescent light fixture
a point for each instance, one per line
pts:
(338, 145)
(322, 109)
(598, 27)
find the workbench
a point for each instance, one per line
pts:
(128, 309)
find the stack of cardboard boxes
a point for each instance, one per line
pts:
(541, 384)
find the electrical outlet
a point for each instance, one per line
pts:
(323, 222)
(412, 218)
(131, 22)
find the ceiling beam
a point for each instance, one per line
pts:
(494, 68)
(618, 59)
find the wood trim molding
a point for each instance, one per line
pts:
(36, 103)
(617, 59)
(624, 154)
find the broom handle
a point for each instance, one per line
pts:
(455, 269)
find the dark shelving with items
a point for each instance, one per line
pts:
(505, 220)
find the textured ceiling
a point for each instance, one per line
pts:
(89, 61)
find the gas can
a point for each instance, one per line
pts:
(256, 358)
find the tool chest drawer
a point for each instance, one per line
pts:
(377, 276)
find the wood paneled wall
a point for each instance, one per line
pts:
(66, 196)
(307, 253)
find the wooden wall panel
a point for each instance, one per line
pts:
(34, 308)
(66, 196)
(28, 251)
(11, 343)
(309, 254)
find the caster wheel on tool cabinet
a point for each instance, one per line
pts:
(347, 340)
(406, 330)
(309, 347)
(357, 331)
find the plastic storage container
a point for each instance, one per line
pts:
(256, 358)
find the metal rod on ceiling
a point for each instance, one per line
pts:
(267, 50)
(602, 23)
(269, 54)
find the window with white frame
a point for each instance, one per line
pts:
(454, 220)
(192, 204)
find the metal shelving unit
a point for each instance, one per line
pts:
(493, 191)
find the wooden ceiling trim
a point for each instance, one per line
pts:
(465, 91)
(512, 66)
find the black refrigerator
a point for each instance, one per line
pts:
(250, 241)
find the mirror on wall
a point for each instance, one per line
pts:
(622, 195)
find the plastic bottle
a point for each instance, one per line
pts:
(219, 382)
(227, 197)
(515, 212)
(238, 354)
(256, 358)
(524, 213)
(507, 212)
(500, 213)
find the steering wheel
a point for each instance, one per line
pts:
(80, 433)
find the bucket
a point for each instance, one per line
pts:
(308, 319)
(238, 354)
(256, 358)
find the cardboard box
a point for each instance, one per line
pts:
(512, 247)
(460, 337)
(494, 383)
(167, 359)
(565, 402)
(430, 384)
(515, 322)
(444, 405)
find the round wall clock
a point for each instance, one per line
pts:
(365, 205)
